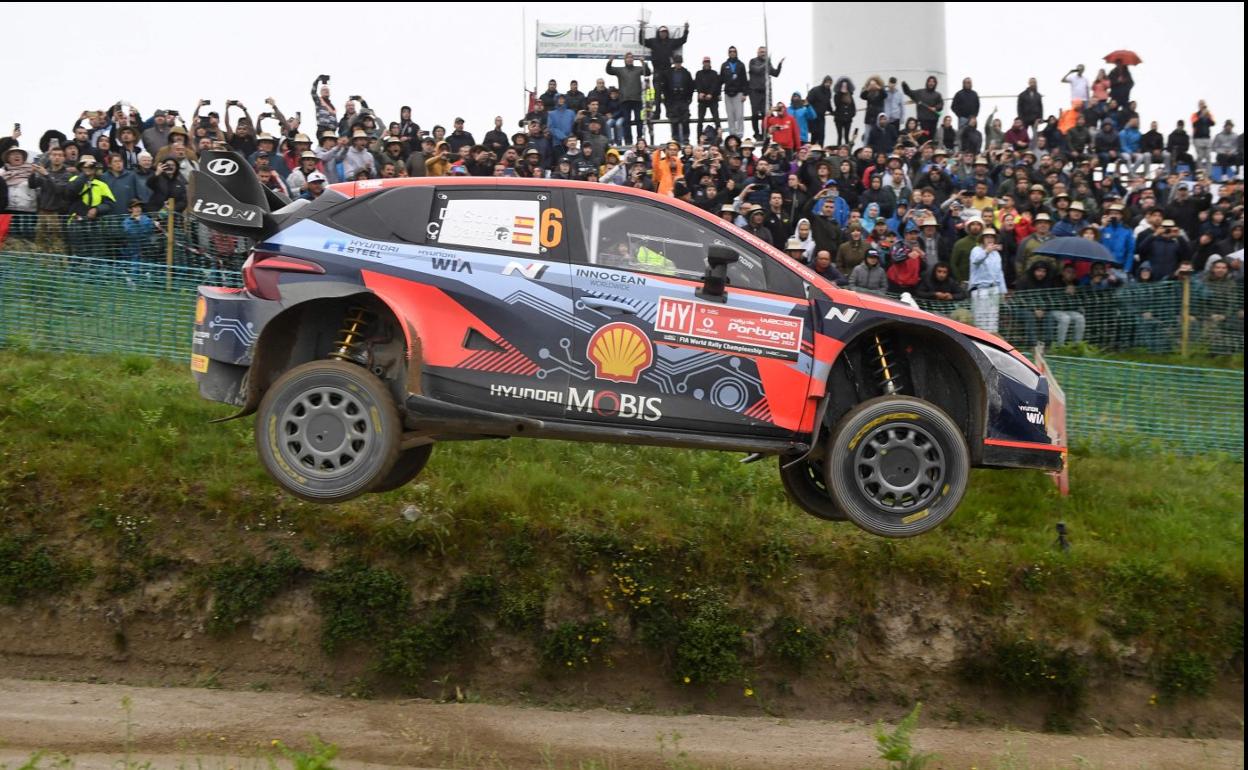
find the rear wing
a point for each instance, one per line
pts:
(226, 195)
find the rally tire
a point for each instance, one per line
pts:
(407, 467)
(807, 488)
(328, 431)
(897, 466)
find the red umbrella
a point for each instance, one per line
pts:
(1129, 58)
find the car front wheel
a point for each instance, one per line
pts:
(328, 431)
(897, 466)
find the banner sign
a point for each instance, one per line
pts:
(594, 41)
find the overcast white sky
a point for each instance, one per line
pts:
(467, 59)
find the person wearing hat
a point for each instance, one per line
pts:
(794, 248)
(350, 159)
(680, 88)
(709, 85)
(293, 149)
(1119, 238)
(137, 228)
(664, 58)
(23, 201)
(268, 143)
(1167, 251)
(89, 200)
(987, 281)
(156, 136)
(128, 146)
(1043, 233)
(756, 225)
(297, 181)
(314, 186)
(869, 275)
(1072, 223)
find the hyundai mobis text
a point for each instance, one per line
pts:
(386, 316)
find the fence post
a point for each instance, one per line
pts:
(169, 245)
(1185, 317)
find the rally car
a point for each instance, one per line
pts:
(386, 316)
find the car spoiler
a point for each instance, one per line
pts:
(226, 195)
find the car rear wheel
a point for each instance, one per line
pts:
(804, 482)
(409, 465)
(897, 466)
(328, 431)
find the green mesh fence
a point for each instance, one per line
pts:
(60, 303)
(109, 290)
(1144, 317)
(147, 238)
(1123, 404)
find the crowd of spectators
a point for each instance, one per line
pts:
(907, 191)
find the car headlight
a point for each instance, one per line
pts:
(1010, 366)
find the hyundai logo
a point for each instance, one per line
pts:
(222, 167)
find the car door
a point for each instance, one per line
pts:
(652, 352)
(497, 263)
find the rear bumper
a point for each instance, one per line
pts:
(999, 453)
(227, 323)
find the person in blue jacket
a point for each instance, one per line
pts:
(804, 114)
(1118, 238)
(560, 120)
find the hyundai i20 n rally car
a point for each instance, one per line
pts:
(386, 316)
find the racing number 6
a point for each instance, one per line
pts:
(552, 227)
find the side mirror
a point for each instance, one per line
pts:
(714, 282)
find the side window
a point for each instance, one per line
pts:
(396, 214)
(637, 236)
(504, 221)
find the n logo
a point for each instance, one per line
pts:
(843, 314)
(532, 271)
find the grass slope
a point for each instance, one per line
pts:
(685, 544)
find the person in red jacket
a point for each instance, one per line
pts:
(905, 267)
(781, 127)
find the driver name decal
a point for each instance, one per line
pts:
(728, 329)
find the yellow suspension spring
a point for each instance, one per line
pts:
(885, 370)
(346, 348)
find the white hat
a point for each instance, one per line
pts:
(316, 176)
(794, 244)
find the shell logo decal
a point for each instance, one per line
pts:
(620, 352)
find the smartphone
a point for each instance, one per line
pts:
(17, 126)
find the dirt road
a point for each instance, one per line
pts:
(171, 727)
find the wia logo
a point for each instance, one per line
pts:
(452, 265)
(532, 271)
(1033, 415)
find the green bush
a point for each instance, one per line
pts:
(241, 589)
(1032, 667)
(1185, 673)
(521, 609)
(576, 645)
(359, 602)
(409, 653)
(709, 644)
(795, 643)
(29, 569)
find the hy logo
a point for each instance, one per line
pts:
(555, 34)
(532, 271)
(452, 265)
(843, 314)
(338, 246)
(222, 167)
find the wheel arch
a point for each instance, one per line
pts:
(942, 368)
(308, 330)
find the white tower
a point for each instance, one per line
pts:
(902, 40)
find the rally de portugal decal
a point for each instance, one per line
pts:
(728, 329)
(620, 352)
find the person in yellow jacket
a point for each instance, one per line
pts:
(90, 199)
(654, 262)
(649, 109)
(667, 168)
